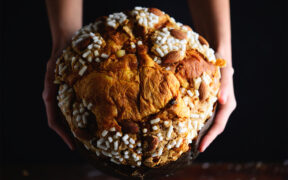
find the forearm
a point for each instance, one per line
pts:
(211, 18)
(65, 17)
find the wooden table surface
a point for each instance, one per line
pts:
(197, 171)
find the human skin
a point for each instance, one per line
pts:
(65, 18)
(212, 21)
(211, 18)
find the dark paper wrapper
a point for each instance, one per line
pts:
(143, 173)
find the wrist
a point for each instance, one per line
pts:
(227, 71)
(60, 40)
(224, 52)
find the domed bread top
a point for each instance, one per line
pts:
(136, 87)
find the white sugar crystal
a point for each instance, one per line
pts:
(201, 125)
(159, 51)
(82, 70)
(154, 121)
(105, 56)
(196, 93)
(182, 130)
(125, 137)
(178, 143)
(104, 133)
(97, 59)
(89, 106)
(131, 141)
(106, 154)
(166, 123)
(75, 112)
(160, 151)
(194, 115)
(90, 46)
(154, 154)
(96, 53)
(85, 54)
(97, 152)
(118, 134)
(116, 145)
(133, 45)
(82, 110)
(110, 139)
(115, 153)
(107, 144)
(170, 130)
(78, 118)
(154, 128)
(114, 161)
(189, 93)
(144, 130)
(169, 146)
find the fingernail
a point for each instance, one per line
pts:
(202, 148)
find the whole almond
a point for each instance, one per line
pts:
(150, 143)
(172, 57)
(203, 91)
(82, 133)
(156, 11)
(202, 40)
(178, 34)
(129, 127)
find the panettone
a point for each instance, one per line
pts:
(136, 87)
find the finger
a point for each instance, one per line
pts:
(218, 126)
(226, 81)
(56, 125)
(58, 128)
(49, 97)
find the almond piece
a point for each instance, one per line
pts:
(82, 133)
(82, 45)
(203, 91)
(172, 57)
(220, 62)
(129, 127)
(202, 40)
(178, 34)
(156, 11)
(150, 143)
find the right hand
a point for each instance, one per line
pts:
(49, 97)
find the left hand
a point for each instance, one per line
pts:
(226, 106)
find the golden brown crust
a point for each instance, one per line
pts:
(136, 88)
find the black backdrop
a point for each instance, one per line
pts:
(256, 131)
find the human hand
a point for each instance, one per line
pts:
(226, 106)
(49, 97)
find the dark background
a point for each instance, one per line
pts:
(256, 131)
